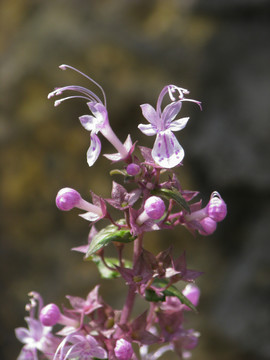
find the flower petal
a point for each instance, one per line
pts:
(88, 122)
(149, 113)
(27, 353)
(23, 335)
(94, 149)
(36, 328)
(147, 129)
(90, 216)
(170, 111)
(113, 157)
(167, 152)
(178, 125)
(117, 156)
(97, 109)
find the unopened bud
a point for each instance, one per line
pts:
(67, 199)
(217, 209)
(190, 341)
(154, 207)
(123, 349)
(50, 315)
(192, 293)
(133, 169)
(209, 226)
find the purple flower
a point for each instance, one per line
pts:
(37, 337)
(121, 199)
(77, 346)
(88, 305)
(123, 349)
(133, 169)
(95, 123)
(167, 152)
(192, 292)
(67, 199)
(217, 209)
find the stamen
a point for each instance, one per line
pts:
(194, 101)
(59, 101)
(181, 91)
(80, 89)
(64, 67)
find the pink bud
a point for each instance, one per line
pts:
(217, 209)
(192, 293)
(133, 169)
(190, 341)
(209, 226)
(154, 207)
(67, 199)
(123, 349)
(50, 315)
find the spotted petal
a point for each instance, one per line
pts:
(178, 125)
(167, 152)
(147, 129)
(94, 149)
(98, 110)
(88, 122)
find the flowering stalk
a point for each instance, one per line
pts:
(90, 328)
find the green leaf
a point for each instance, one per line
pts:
(108, 234)
(118, 172)
(104, 271)
(151, 295)
(172, 194)
(173, 291)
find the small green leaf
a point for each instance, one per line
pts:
(151, 295)
(108, 234)
(118, 172)
(173, 291)
(104, 271)
(172, 194)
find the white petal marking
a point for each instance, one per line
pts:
(178, 125)
(94, 149)
(147, 129)
(167, 152)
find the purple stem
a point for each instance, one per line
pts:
(131, 290)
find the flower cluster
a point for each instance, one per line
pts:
(90, 328)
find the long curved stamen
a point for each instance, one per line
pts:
(70, 351)
(181, 91)
(64, 67)
(194, 101)
(60, 350)
(92, 96)
(59, 101)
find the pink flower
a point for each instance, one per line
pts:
(95, 123)
(167, 152)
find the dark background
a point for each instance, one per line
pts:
(220, 51)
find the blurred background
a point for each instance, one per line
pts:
(220, 51)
